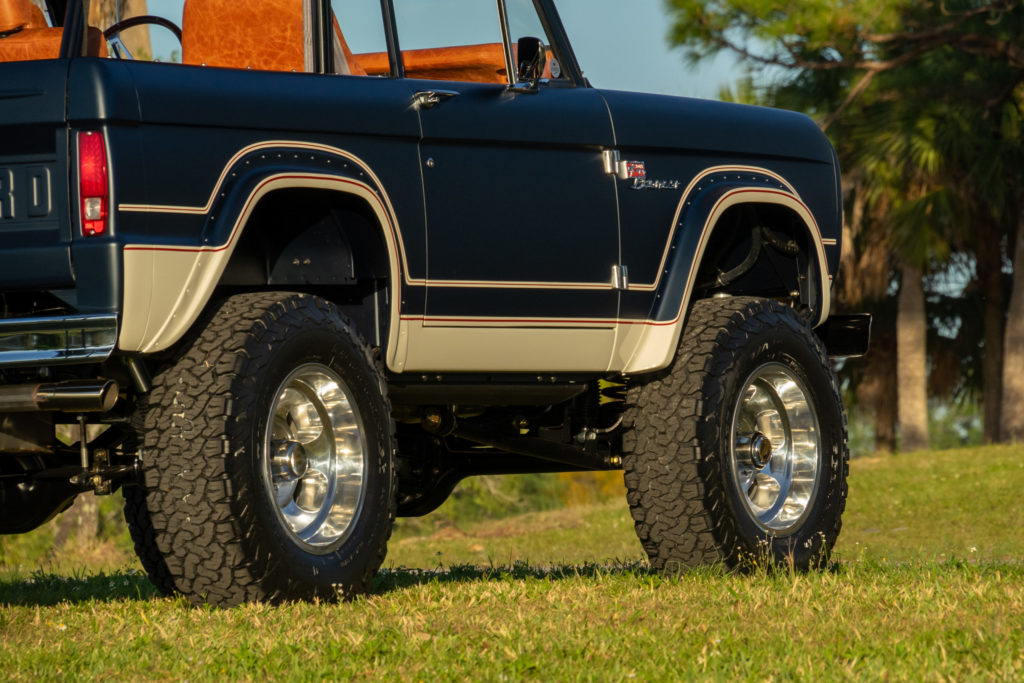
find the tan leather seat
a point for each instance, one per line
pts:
(32, 38)
(31, 43)
(28, 35)
(20, 14)
(473, 63)
(265, 35)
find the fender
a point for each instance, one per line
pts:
(156, 316)
(650, 345)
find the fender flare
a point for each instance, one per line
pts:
(703, 203)
(156, 316)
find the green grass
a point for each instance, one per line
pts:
(928, 585)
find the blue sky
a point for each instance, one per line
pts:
(621, 45)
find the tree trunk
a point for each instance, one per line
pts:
(1012, 412)
(990, 275)
(851, 289)
(82, 520)
(876, 390)
(911, 363)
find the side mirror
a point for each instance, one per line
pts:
(530, 62)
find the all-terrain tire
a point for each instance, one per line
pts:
(205, 520)
(688, 474)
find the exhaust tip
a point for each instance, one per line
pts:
(108, 395)
(77, 396)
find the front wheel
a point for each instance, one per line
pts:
(268, 452)
(738, 452)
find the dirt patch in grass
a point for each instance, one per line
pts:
(568, 518)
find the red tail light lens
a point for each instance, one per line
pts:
(93, 183)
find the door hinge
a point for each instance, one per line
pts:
(620, 277)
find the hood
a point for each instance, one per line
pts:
(719, 128)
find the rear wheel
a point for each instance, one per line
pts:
(738, 451)
(267, 458)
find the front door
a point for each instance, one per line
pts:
(522, 227)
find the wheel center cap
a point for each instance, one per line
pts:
(289, 460)
(760, 450)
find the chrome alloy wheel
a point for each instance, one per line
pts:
(315, 458)
(775, 448)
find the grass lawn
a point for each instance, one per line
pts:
(928, 585)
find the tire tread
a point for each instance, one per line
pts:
(675, 492)
(188, 520)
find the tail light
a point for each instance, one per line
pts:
(93, 182)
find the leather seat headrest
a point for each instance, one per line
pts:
(15, 14)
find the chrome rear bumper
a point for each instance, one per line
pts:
(57, 340)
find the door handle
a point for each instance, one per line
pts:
(425, 99)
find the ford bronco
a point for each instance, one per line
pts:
(281, 270)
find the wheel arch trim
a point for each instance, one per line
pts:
(650, 345)
(155, 316)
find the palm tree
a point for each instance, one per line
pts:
(912, 365)
(1012, 418)
(946, 79)
(867, 274)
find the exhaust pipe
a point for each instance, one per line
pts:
(73, 396)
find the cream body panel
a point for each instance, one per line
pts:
(139, 283)
(640, 346)
(504, 349)
(150, 311)
(180, 281)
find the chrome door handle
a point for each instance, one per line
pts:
(425, 99)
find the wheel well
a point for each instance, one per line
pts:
(763, 250)
(323, 242)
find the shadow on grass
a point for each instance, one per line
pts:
(399, 578)
(46, 589)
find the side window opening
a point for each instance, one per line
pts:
(451, 40)
(357, 31)
(462, 40)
